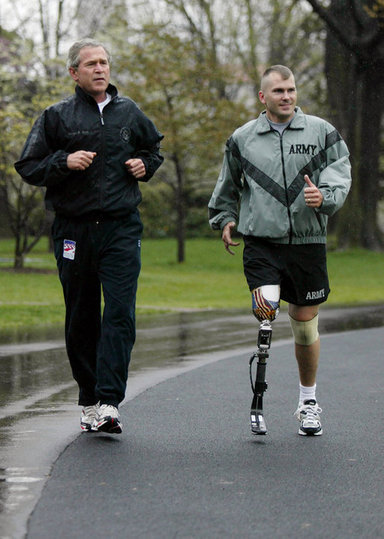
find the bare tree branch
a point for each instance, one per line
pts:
(357, 44)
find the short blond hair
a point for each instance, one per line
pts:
(284, 71)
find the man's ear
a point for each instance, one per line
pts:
(73, 73)
(261, 97)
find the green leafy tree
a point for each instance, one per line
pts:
(184, 98)
(22, 203)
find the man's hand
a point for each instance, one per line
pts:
(80, 160)
(227, 237)
(136, 167)
(312, 195)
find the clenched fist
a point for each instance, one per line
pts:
(80, 160)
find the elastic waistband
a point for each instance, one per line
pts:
(94, 217)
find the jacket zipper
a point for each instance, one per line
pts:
(286, 188)
(102, 186)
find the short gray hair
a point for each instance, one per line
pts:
(74, 52)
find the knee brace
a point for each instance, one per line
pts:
(266, 302)
(305, 333)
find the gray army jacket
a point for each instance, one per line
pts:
(261, 183)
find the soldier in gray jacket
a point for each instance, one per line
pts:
(283, 174)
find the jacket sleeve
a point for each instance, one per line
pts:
(335, 179)
(39, 164)
(152, 160)
(149, 146)
(224, 203)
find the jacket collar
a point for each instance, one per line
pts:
(296, 123)
(111, 90)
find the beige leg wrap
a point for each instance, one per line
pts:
(305, 333)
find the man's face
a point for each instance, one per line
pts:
(279, 97)
(92, 73)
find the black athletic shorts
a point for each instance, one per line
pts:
(300, 270)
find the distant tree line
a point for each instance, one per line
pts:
(194, 67)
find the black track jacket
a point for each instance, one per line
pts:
(121, 132)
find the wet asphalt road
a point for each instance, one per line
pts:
(186, 464)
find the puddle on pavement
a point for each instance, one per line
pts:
(36, 375)
(38, 396)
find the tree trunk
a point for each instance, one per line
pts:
(353, 70)
(180, 211)
(18, 261)
(369, 189)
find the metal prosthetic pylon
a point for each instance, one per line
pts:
(258, 425)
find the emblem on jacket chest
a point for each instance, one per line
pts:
(125, 134)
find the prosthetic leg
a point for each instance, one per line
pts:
(265, 304)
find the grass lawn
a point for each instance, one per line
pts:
(209, 279)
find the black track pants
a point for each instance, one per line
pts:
(99, 257)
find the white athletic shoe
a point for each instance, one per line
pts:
(308, 415)
(88, 416)
(107, 420)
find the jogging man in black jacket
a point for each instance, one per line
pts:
(89, 151)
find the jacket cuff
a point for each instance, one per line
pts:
(225, 221)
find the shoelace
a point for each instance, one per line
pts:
(311, 412)
(107, 409)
